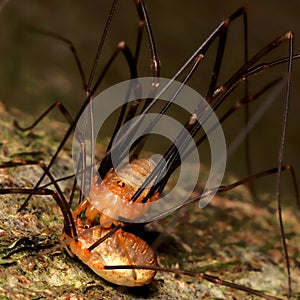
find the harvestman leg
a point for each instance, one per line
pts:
(87, 86)
(224, 98)
(70, 227)
(220, 31)
(57, 196)
(219, 96)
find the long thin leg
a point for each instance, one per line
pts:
(58, 197)
(280, 161)
(101, 46)
(222, 30)
(143, 15)
(198, 55)
(155, 67)
(72, 126)
(61, 108)
(239, 104)
(223, 91)
(71, 47)
(200, 276)
(87, 86)
(281, 151)
(224, 188)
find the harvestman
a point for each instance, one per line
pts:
(76, 232)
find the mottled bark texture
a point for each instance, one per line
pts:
(233, 238)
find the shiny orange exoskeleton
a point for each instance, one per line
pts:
(121, 248)
(92, 231)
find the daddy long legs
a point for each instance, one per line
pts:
(245, 69)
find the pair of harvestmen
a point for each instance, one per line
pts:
(215, 96)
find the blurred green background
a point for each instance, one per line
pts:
(36, 70)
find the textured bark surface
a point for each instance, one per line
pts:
(232, 238)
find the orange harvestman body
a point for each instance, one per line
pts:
(99, 240)
(122, 248)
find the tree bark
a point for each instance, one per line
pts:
(232, 238)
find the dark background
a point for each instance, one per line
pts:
(36, 70)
